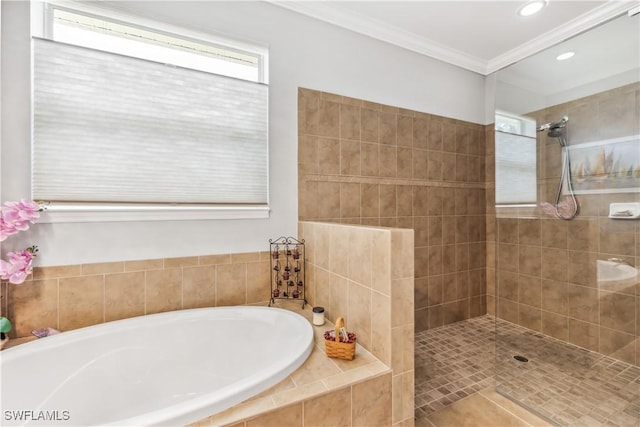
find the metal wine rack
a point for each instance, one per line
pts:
(287, 269)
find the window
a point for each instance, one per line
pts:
(515, 160)
(128, 114)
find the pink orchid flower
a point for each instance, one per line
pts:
(19, 265)
(16, 216)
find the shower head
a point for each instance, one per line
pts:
(554, 125)
(556, 131)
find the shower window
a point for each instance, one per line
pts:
(125, 114)
(515, 148)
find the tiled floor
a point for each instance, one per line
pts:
(485, 408)
(566, 384)
(453, 362)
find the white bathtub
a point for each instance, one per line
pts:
(163, 369)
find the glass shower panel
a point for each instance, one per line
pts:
(567, 292)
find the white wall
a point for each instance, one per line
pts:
(303, 53)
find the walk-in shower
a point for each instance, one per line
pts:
(559, 130)
(554, 303)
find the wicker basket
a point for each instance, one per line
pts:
(335, 348)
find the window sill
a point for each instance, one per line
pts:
(58, 213)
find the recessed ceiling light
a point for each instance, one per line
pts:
(565, 55)
(532, 7)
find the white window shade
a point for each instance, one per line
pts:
(110, 128)
(515, 169)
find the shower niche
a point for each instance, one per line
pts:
(288, 280)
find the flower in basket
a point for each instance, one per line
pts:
(16, 217)
(331, 336)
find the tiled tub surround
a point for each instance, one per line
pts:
(546, 267)
(375, 389)
(74, 296)
(365, 274)
(323, 392)
(365, 163)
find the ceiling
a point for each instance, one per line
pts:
(480, 35)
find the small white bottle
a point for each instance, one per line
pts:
(318, 316)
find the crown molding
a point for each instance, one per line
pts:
(373, 28)
(323, 11)
(582, 23)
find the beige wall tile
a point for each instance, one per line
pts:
(530, 317)
(371, 402)
(180, 262)
(231, 284)
(617, 311)
(409, 162)
(328, 156)
(381, 327)
(420, 132)
(322, 245)
(369, 159)
(381, 261)
(339, 306)
(388, 128)
(330, 410)
(359, 318)
(81, 301)
(369, 125)
(124, 295)
(308, 154)
(370, 201)
(582, 268)
(530, 260)
(32, 305)
(402, 301)
(555, 296)
(584, 334)
(617, 344)
(350, 157)
(583, 303)
(405, 129)
(199, 287)
(339, 254)
(555, 325)
(434, 166)
(349, 122)
(103, 267)
(214, 259)
(507, 310)
(329, 193)
(554, 264)
(388, 202)
(554, 233)
(323, 292)
(360, 262)
(163, 290)
(396, 398)
(140, 265)
(258, 281)
(508, 257)
(40, 273)
(387, 161)
(349, 200)
(240, 258)
(290, 416)
(328, 119)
